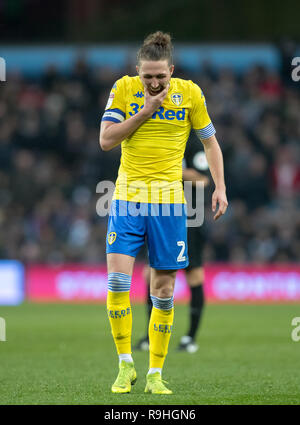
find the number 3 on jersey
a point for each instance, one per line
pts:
(181, 257)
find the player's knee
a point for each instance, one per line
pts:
(162, 283)
(163, 291)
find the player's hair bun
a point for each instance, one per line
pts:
(157, 46)
(160, 39)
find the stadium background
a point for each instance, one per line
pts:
(62, 58)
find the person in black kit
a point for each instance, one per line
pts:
(195, 168)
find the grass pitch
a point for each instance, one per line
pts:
(64, 354)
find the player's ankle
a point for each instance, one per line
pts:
(154, 370)
(126, 358)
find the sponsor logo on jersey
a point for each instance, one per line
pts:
(139, 94)
(161, 113)
(111, 237)
(177, 99)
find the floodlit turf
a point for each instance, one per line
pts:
(64, 354)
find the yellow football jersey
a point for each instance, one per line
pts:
(151, 160)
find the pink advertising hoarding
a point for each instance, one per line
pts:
(268, 283)
(79, 283)
(223, 283)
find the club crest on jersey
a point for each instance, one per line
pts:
(177, 99)
(111, 237)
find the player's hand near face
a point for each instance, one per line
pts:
(152, 103)
(219, 198)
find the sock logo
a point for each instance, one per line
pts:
(118, 314)
(111, 237)
(167, 329)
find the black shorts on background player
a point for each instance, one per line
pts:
(196, 243)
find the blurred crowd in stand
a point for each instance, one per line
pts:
(51, 162)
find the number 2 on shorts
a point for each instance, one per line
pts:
(181, 257)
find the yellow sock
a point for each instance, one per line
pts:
(160, 328)
(120, 317)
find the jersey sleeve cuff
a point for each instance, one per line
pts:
(206, 132)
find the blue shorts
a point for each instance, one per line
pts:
(163, 226)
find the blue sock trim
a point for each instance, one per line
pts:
(162, 303)
(119, 282)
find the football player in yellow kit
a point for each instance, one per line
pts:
(151, 116)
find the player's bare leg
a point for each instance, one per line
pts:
(120, 263)
(162, 283)
(120, 268)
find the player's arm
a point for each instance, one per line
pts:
(205, 131)
(112, 134)
(214, 158)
